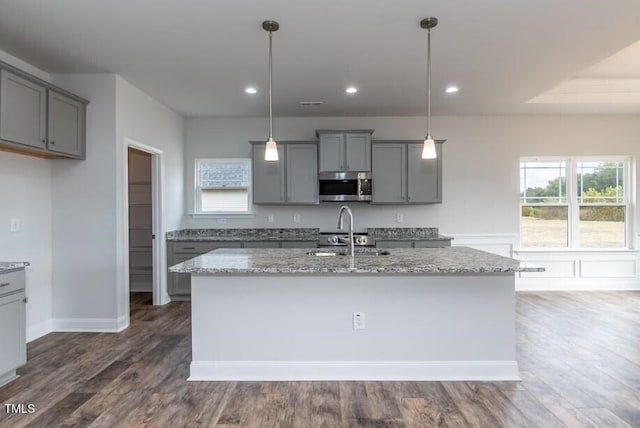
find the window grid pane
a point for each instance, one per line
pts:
(600, 182)
(543, 182)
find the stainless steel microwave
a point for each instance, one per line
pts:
(345, 186)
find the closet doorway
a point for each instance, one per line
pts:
(140, 225)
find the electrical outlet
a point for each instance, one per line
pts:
(222, 221)
(15, 225)
(296, 218)
(270, 218)
(358, 321)
(399, 218)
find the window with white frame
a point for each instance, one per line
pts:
(574, 202)
(223, 186)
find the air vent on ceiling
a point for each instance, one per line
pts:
(310, 103)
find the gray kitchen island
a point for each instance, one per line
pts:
(400, 314)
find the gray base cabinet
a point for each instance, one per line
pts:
(344, 150)
(39, 118)
(179, 284)
(292, 180)
(399, 175)
(13, 352)
(432, 243)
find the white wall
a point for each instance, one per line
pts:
(481, 155)
(25, 186)
(84, 215)
(143, 119)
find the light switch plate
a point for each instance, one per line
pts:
(296, 218)
(270, 218)
(399, 218)
(15, 225)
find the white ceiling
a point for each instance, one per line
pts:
(197, 56)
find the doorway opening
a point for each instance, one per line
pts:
(144, 258)
(140, 208)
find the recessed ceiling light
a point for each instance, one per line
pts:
(351, 90)
(251, 90)
(452, 89)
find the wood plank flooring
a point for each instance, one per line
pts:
(579, 356)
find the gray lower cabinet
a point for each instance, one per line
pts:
(344, 150)
(179, 284)
(432, 243)
(293, 179)
(66, 125)
(399, 175)
(39, 118)
(13, 352)
(23, 111)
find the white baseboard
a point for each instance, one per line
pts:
(36, 331)
(91, 325)
(353, 370)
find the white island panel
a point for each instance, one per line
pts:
(299, 327)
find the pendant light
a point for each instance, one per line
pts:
(271, 151)
(429, 147)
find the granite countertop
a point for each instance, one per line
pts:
(407, 234)
(292, 234)
(450, 260)
(6, 267)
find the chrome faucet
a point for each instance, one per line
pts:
(341, 225)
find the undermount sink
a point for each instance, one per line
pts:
(331, 253)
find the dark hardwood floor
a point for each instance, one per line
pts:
(579, 356)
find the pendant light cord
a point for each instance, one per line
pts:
(270, 101)
(429, 82)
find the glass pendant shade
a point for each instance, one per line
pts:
(429, 148)
(271, 151)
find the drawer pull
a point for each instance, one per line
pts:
(189, 248)
(4, 284)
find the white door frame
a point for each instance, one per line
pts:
(159, 260)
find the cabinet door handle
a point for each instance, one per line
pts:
(4, 284)
(52, 142)
(43, 141)
(25, 300)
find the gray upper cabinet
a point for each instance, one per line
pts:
(424, 178)
(344, 150)
(331, 147)
(66, 125)
(293, 179)
(39, 118)
(23, 114)
(268, 177)
(302, 173)
(358, 152)
(400, 175)
(388, 175)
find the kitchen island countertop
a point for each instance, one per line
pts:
(450, 260)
